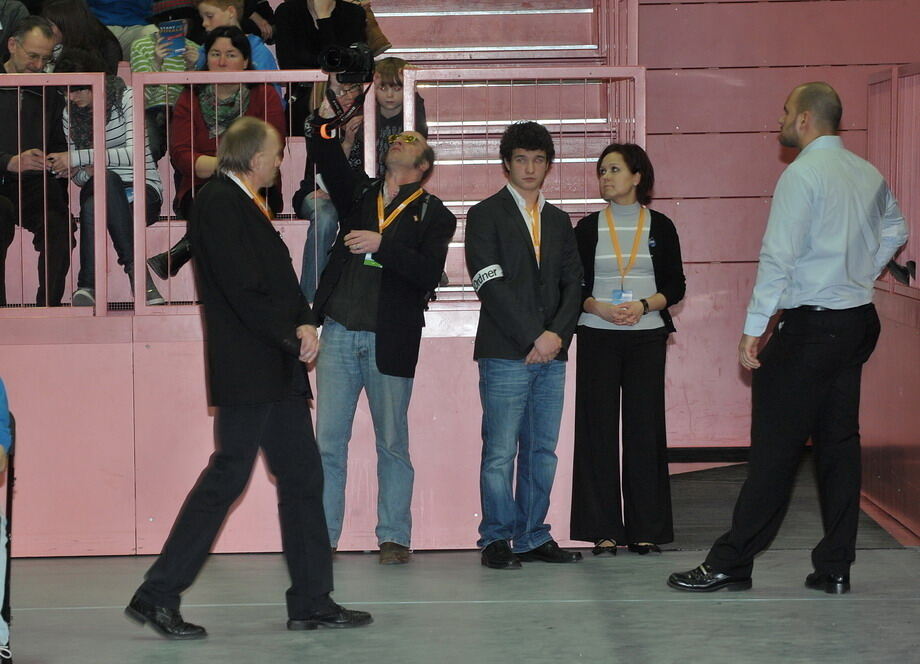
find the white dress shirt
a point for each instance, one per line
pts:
(834, 225)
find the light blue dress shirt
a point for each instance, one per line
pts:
(834, 225)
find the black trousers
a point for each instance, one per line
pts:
(43, 211)
(613, 365)
(284, 431)
(808, 386)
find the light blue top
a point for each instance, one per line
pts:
(834, 224)
(6, 433)
(262, 59)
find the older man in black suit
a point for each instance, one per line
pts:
(260, 332)
(523, 261)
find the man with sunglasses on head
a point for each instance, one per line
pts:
(386, 261)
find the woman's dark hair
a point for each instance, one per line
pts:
(75, 60)
(80, 28)
(526, 136)
(637, 161)
(236, 36)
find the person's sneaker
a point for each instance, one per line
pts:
(392, 553)
(83, 297)
(6, 655)
(154, 298)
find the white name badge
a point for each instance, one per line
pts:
(621, 296)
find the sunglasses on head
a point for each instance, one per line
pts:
(405, 138)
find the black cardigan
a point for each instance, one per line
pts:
(663, 245)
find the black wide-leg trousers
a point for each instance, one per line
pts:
(610, 365)
(807, 387)
(284, 430)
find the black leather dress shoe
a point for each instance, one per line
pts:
(498, 555)
(644, 548)
(832, 584)
(705, 580)
(165, 622)
(604, 546)
(549, 552)
(336, 618)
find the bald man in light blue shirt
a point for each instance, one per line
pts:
(833, 227)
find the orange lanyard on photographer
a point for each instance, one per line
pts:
(611, 224)
(534, 213)
(383, 223)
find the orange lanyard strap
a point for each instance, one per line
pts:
(611, 224)
(259, 201)
(383, 223)
(534, 213)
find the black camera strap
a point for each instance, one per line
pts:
(341, 115)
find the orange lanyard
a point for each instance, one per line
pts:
(535, 228)
(611, 224)
(259, 201)
(383, 223)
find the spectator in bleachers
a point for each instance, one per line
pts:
(11, 12)
(259, 20)
(386, 261)
(304, 28)
(201, 115)
(31, 128)
(623, 331)
(524, 266)
(126, 19)
(77, 163)
(153, 53)
(75, 27)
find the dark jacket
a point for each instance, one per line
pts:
(413, 251)
(527, 299)
(663, 245)
(251, 296)
(40, 110)
(298, 42)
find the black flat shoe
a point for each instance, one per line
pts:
(832, 584)
(549, 552)
(604, 546)
(165, 622)
(336, 618)
(498, 555)
(704, 580)
(643, 548)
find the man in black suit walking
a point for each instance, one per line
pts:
(523, 261)
(260, 332)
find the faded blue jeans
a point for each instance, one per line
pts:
(347, 364)
(521, 412)
(324, 224)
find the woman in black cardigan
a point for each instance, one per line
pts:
(633, 273)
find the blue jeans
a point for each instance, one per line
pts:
(347, 363)
(324, 224)
(521, 412)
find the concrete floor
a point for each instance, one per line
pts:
(446, 607)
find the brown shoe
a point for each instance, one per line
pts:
(392, 553)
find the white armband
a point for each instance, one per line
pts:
(488, 273)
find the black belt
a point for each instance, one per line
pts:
(815, 307)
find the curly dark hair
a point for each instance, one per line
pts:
(525, 135)
(637, 161)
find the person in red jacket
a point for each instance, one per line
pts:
(201, 116)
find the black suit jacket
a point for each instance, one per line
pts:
(664, 247)
(527, 299)
(251, 296)
(413, 251)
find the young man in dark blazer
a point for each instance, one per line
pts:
(260, 332)
(523, 261)
(385, 263)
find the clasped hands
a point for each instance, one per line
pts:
(625, 313)
(545, 348)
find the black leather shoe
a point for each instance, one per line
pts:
(704, 580)
(498, 555)
(832, 584)
(337, 618)
(644, 548)
(165, 622)
(603, 546)
(549, 552)
(170, 262)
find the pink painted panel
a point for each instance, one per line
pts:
(718, 229)
(762, 34)
(75, 460)
(744, 100)
(721, 165)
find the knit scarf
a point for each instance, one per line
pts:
(81, 119)
(218, 114)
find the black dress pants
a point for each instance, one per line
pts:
(284, 431)
(612, 365)
(40, 205)
(808, 386)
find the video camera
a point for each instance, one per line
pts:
(353, 64)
